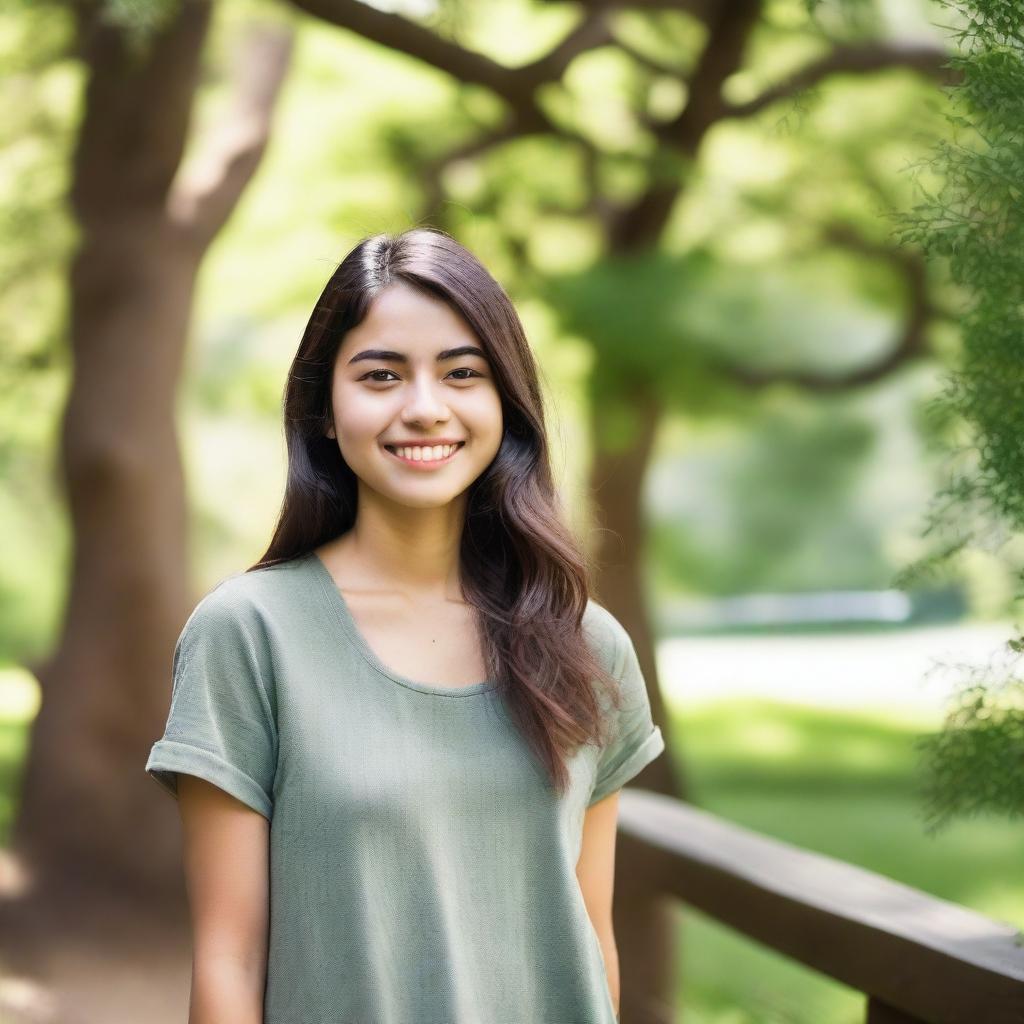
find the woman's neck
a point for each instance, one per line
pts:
(417, 554)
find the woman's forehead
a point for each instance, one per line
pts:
(404, 320)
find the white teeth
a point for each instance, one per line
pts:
(425, 453)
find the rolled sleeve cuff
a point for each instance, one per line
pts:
(168, 758)
(651, 747)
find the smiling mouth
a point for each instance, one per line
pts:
(413, 455)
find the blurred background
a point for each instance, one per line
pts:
(696, 208)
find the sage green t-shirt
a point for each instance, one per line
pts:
(422, 867)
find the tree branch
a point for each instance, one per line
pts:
(406, 36)
(703, 10)
(590, 33)
(656, 67)
(859, 59)
(208, 189)
(432, 170)
(119, 132)
(639, 225)
(517, 86)
(911, 344)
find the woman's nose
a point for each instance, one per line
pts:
(425, 402)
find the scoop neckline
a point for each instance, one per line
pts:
(337, 599)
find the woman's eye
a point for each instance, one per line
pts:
(372, 374)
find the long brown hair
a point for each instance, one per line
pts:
(522, 568)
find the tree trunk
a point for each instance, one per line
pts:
(645, 927)
(91, 831)
(617, 476)
(87, 815)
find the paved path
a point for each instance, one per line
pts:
(900, 671)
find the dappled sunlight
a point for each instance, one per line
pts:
(19, 695)
(761, 738)
(999, 899)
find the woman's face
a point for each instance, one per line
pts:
(410, 378)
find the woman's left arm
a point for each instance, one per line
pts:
(595, 871)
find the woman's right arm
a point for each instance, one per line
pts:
(226, 861)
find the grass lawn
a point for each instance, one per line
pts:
(842, 784)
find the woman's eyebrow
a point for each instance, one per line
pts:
(386, 355)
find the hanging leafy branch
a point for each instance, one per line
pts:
(973, 220)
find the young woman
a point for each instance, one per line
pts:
(398, 739)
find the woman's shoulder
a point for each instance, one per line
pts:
(604, 631)
(251, 597)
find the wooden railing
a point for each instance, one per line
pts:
(916, 958)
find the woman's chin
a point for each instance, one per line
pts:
(422, 495)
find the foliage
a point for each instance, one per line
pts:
(756, 535)
(139, 19)
(973, 221)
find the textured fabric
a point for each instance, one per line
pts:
(422, 867)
